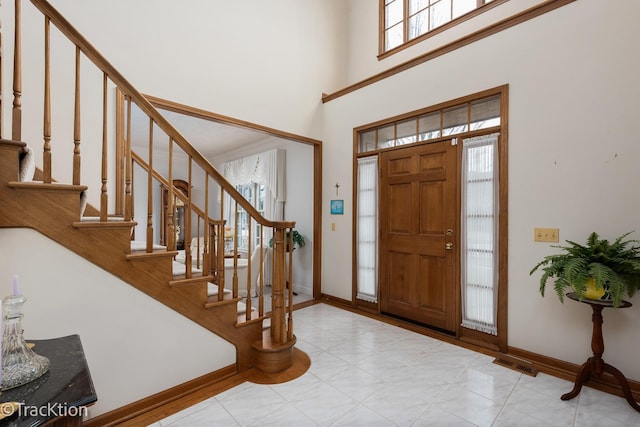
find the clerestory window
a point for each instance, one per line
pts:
(404, 21)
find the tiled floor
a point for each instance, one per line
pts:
(367, 373)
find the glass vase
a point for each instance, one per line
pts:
(20, 364)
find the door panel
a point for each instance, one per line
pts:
(418, 204)
(431, 219)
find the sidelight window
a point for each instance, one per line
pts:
(479, 239)
(367, 229)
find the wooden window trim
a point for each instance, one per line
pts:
(382, 54)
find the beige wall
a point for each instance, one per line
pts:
(573, 154)
(134, 346)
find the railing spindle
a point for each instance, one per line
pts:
(171, 231)
(128, 192)
(221, 249)
(290, 285)
(150, 191)
(235, 252)
(205, 252)
(76, 123)
(46, 170)
(261, 274)
(187, 225)
(249, 266)
(104, 198)
(16, 121)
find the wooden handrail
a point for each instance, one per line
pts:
(65, 27)
(213, 240)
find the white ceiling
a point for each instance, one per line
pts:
(210, 138)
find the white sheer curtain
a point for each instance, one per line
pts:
(479, 241)
(367, 229)
(266, 168)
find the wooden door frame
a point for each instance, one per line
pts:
(498, 342)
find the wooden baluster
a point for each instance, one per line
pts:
(198, 261)
(261, 274)
(290, 285)
(128, 188)
(46, 159)
(150, 191)
(221, 248)
(206, 265)
(132, 196)
(235, 252)
(171, 231)
(121, 156)
(16, 113)
(104, 198)
(187, 225)
(76, 123)
(249, 266)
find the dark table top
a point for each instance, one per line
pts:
(601, 303)
(66, 387)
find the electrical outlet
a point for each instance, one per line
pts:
(546, 235)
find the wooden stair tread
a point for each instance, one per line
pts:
(157, 253)
(181, 280)
(10, 142)
(242, 317)
(97, 219)
(180, 269)
(39, 185)
(227, 298)
(267, 345)
(102, 224)
(141, 245)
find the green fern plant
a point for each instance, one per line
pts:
(614, 267)
(298, 240)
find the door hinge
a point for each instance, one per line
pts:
(454, 141)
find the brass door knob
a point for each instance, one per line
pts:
(448, 246)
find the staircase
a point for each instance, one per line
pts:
(58, 210)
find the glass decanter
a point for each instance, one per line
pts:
(20, 364)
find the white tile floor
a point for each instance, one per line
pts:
(367, 373)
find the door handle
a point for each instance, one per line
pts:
(448, 246)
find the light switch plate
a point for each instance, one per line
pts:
(546, 235)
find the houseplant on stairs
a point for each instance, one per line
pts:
(598, 270)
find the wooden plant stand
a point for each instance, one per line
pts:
(595, 364)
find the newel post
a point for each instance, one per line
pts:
(278, 298)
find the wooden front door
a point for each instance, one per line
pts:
(419, 220)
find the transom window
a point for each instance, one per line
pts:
(407, 20)
(475, 115)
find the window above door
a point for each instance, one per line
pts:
(448, 120)
(403, 22)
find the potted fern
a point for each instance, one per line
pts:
(297, 238)
(598, 270)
